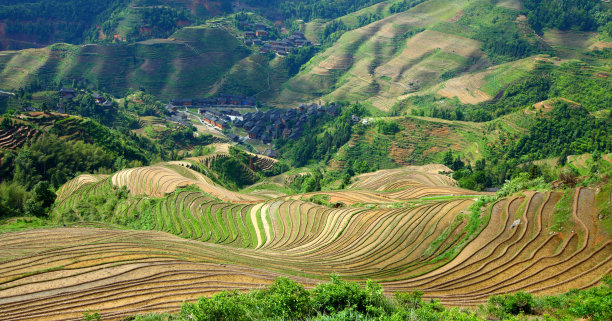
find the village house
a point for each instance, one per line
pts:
(277, 123)
(220, 123)
(249, 125)
(270, 153)
(107, 104)
(182, 102)
(67, 93)
(255, 132)
(233, 137)
(235, 100)
(99, 99)
(333, 111)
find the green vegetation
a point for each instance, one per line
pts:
(342, 300)
(565, 130)
(575, 81)
(165, 68)
(70, 21)
(387, 128)
(313, 9)
(95, 208)
(321, 139)
(498, 31)
(586, 15)
(593, 304)
(563, 212)
(529, 118)
(234, 171)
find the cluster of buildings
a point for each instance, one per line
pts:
(220, 118)
(220, 100)
(69, 94)
(258, 30)
(281, 123)
(281, 47)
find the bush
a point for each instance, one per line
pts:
(520, 302)
(286, 299)
(341, 300)
(388, 128)
(339, 295)
(230, 306)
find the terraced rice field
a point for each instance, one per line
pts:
(392, 179)
(199, 245)
(16, 137)
(165, 178)
(221, 150)
(379, 62)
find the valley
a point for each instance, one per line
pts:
(306, 160)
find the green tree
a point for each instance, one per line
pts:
(448, 158)
(43, 194)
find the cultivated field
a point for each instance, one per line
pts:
(407, 228)
(381, 61)
(168, 67)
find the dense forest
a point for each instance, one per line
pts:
(321, 138)
(313, 9)
(49, 21)
(498, 31)
(566, 130)
(585, 15)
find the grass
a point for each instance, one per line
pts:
(604, 206)
(24, 223)
(562, 212)
(505, 74)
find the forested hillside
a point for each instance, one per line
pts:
(35, 23)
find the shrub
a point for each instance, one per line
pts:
(520, 302)
(412, 300)
(230, 306)
(286, 299)
(339, 295)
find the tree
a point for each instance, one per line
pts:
(448, 158)
(457, 164)
(6, 123)
(33, 208)
(563, 158)
(43, 194)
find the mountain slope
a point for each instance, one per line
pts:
(387, 58)
(416, 237)
(187, 64)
